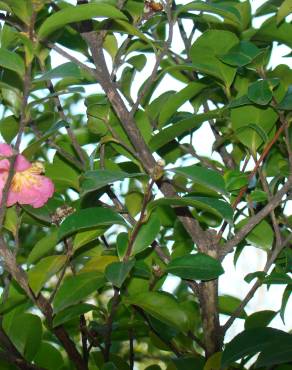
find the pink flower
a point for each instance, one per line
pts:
(28, 185)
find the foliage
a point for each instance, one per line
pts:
(134, 203)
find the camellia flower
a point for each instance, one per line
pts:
(28, 185)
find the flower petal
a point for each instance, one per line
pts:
(5, 150)
(21, 164)
(35, 192)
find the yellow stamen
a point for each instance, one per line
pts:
(26, 179)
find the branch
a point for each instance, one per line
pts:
(241, 234)
(158, 60)
(70, 132)
(109, 324)
(256, 285)
(138, 225)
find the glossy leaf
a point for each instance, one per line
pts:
(286, 103)
(76, 288)
(162, 306)
(117, 272)
(11, 61)
(146, 234)
(260, 93)
(49, 357)
(25, 332)
(176, 100)
(94, 180)
(241, 54)
(87, 219)
(196, 267)
(205, 51)
(64, 70)
(71, 312)
(180, 128)
(212, 205)
(226, 11)
(44, 270)
(203, 176)
(98, 263)
(284, 10)
(251, 342)
(259, 319)
(77, 14)
(43, 247)
(261, 236)
(243, 117)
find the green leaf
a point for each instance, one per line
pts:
(228, 304)
(228, 12)
(33, 148)
(9, 127)
(87, 219)
(43, 247)
(286, 102)
(76, 14)
(259, 319)
(176, 100)
(261, 236)
(270, 31)
(203, 176)
(48, 357)
(285, 298)
(44, 270)
(117, 272)
(241, 54)
(122, 244)
(64, 70)
(162, 306)
(98, 263)
(205, 51)
(198, 266)
(11, 220)
(278, 352)
(12, 61)
(25, 332)
(86, 236)
(284, 10)
(213, 205)
(97, 179)
(71, 312)
(76, 288)
(147, 234)
(251, 342)
(260, 93)
(243, 117)
(183, 127)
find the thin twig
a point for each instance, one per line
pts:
(253, 221)
(109, 324)
(60, 110)
(147, 198)
(158, 60)
(256, 285)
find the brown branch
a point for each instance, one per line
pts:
(256, 285)
(60, 110)
(138, 225)
(158, 60)
(254, 220)
(109, 324)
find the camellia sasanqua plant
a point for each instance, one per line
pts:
(104, 195)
